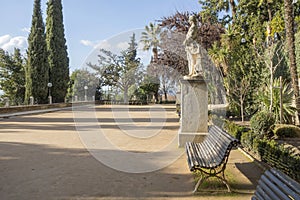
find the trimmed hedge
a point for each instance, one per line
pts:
(279, 157)
(274, 154)
(286, 131)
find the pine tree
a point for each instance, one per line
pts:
(37, 69)
(57, 49)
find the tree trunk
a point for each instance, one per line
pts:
(155, 54)
(290, 37)
(233, 9)
(242, 107)
(166, 96)
(125, 95)
(156, 96)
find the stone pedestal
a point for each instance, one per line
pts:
(194, 111)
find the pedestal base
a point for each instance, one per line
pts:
(194, 111)
(184, 137)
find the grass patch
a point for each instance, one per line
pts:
(214, 184)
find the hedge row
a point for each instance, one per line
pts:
(279, 157)
(268, 150)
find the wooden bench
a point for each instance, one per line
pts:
(274, 185)
(210, 156)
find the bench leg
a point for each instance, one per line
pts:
(200, 181)
(224, 181)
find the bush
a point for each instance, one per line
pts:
(261, 122)
(234, 129)
(279, 157)
(286, 130)
(247, 139)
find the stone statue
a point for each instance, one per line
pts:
(193, 50)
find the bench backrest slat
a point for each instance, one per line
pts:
(282, 185)
(261, 194)
(213, 151)
(272, 189)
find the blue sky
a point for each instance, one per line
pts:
(87, 22)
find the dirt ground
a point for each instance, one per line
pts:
(44, 156)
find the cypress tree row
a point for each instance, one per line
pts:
(57, 49)
(37, 69)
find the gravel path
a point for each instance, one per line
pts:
(44, 156)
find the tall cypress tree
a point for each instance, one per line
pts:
(37, 69)
(58, 55)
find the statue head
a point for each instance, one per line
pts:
(193, 19)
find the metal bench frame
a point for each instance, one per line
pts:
(211, 156)
(276, 185)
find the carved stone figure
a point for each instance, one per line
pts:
(193, 50)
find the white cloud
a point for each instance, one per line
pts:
(4, 39)
(122, 46)
(87, 43)
(8, 43)
(104, 44)
(26, 29)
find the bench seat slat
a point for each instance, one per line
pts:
(276, 185)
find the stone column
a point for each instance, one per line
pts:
(194, 111)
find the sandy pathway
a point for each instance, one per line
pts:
(43, 157)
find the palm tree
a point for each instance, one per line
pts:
(290, 38)
(150, 39)
(228, 5)
(287, 100)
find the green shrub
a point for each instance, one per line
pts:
(286, 130)
(261, 122)
(279, 157)
(234, 129)
(247, 139)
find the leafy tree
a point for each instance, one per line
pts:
(219, 56)
(37, 69)
(121, 71)
(208, 31)
(82, 78)
(274, 60)
(12, 76)
(240, 81)
(149, 86)
(214, 8)
(57, 48)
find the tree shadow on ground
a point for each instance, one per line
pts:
(32, 171)
(252, 172)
